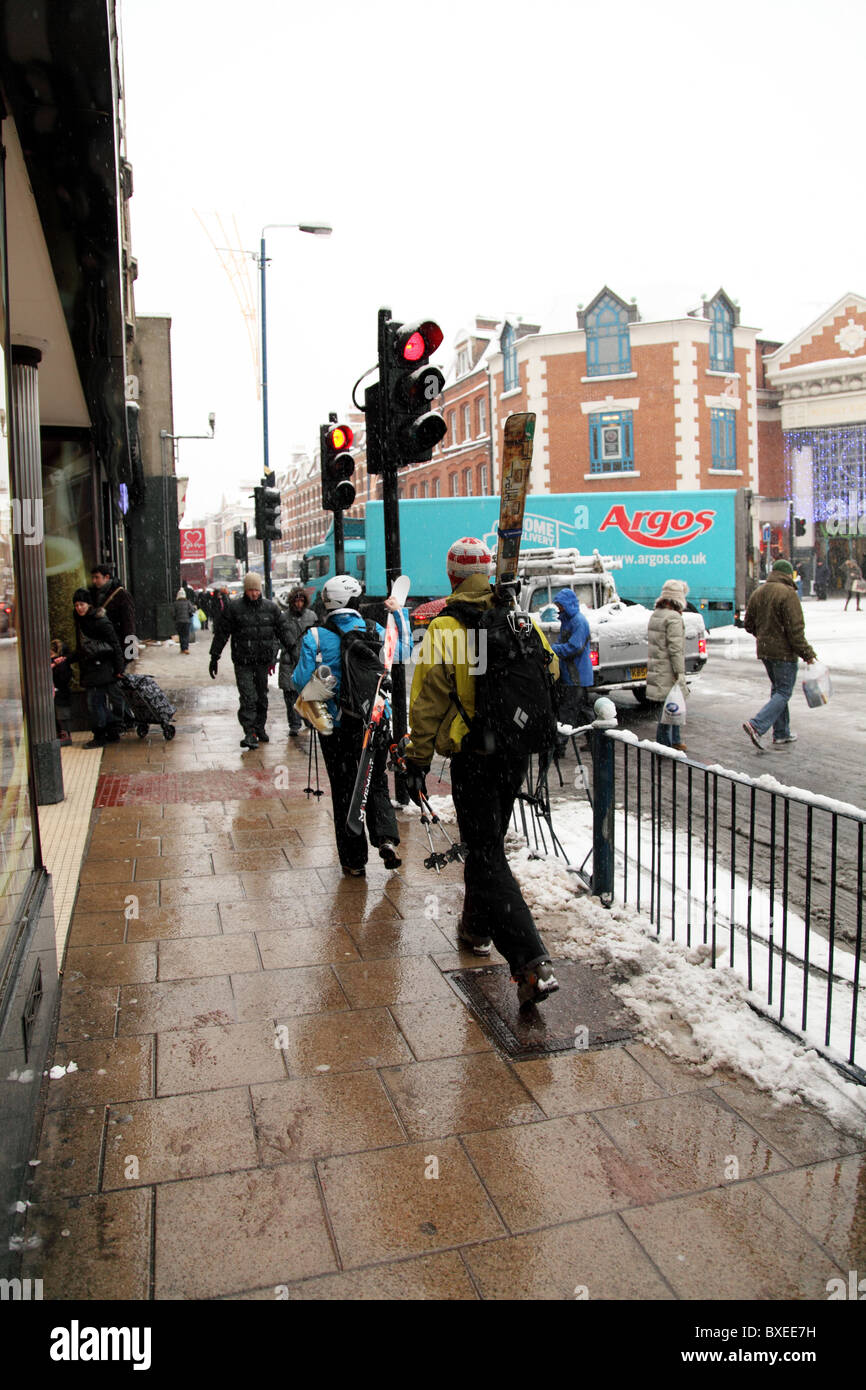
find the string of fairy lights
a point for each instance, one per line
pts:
(837, 474)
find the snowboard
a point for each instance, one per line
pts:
(516, 465)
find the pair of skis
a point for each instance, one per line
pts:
(377, 724)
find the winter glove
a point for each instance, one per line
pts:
(416, 781)
(212, 669)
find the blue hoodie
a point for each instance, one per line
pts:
(575, 662)
(331, 648)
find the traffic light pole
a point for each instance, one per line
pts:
(393, 563)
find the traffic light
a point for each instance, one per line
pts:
(401, 426)
(240, 546)
(799, 526)
(266, 504)
(335, 440)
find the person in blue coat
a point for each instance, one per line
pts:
(575, 661)
(341, 749)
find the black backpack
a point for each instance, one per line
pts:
(513, 689)
(361, 659)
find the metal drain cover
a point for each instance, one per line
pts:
(583, 1014)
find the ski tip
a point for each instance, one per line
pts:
(400, 588)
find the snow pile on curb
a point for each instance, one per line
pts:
(692, 1012)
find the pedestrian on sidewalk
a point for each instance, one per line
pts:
(822, 580)
(484, 785)
(575, 662)
(341, 749)
(775, 617)
(183, 611)
(108, 593)
(256, 626)
(299, 616)
(99, 658)
(853, 576)
(666, 655)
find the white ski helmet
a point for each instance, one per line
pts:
(340, 591)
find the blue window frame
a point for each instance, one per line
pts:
(608, 346)
(509, 360)
(724, 429)
(611, 442)
(721, 337)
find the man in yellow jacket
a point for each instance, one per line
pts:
(484, 785)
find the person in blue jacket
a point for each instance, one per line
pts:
(341, 749)
(575, 661)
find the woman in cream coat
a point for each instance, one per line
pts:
(666, 659)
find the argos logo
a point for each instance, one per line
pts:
(661, 530)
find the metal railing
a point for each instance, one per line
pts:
(770, 878)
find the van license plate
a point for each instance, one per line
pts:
(637, 673)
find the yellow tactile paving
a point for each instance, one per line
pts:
(64, 829)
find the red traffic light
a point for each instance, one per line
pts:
(418, 340)
(341, 437)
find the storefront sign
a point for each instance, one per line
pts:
(192, 544)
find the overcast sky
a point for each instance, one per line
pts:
(474, 156)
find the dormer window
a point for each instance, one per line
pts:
(608, 346)
(721, 336)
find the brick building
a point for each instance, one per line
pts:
(635, 406)
(819, 378)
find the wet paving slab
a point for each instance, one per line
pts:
(321, 1093)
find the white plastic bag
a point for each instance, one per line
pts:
(817, 686)
(674, 707)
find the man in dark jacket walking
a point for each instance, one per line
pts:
(257, 628)
(775, 617)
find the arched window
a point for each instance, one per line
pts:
(509, 359)
(608, 348)
(721, 337)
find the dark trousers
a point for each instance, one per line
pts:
(569, 710)
(484, 789)
(295, 720)
(99, 708)
(341, 751)
(183, 635)
(252, 683)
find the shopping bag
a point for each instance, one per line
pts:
(674, 706)
(202, 616)
(859, 586)
(195, 623)
(817, 686)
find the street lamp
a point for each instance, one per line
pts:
(314, 229)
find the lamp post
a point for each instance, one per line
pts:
(314, 229)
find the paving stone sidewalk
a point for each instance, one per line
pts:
(279, 1094)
